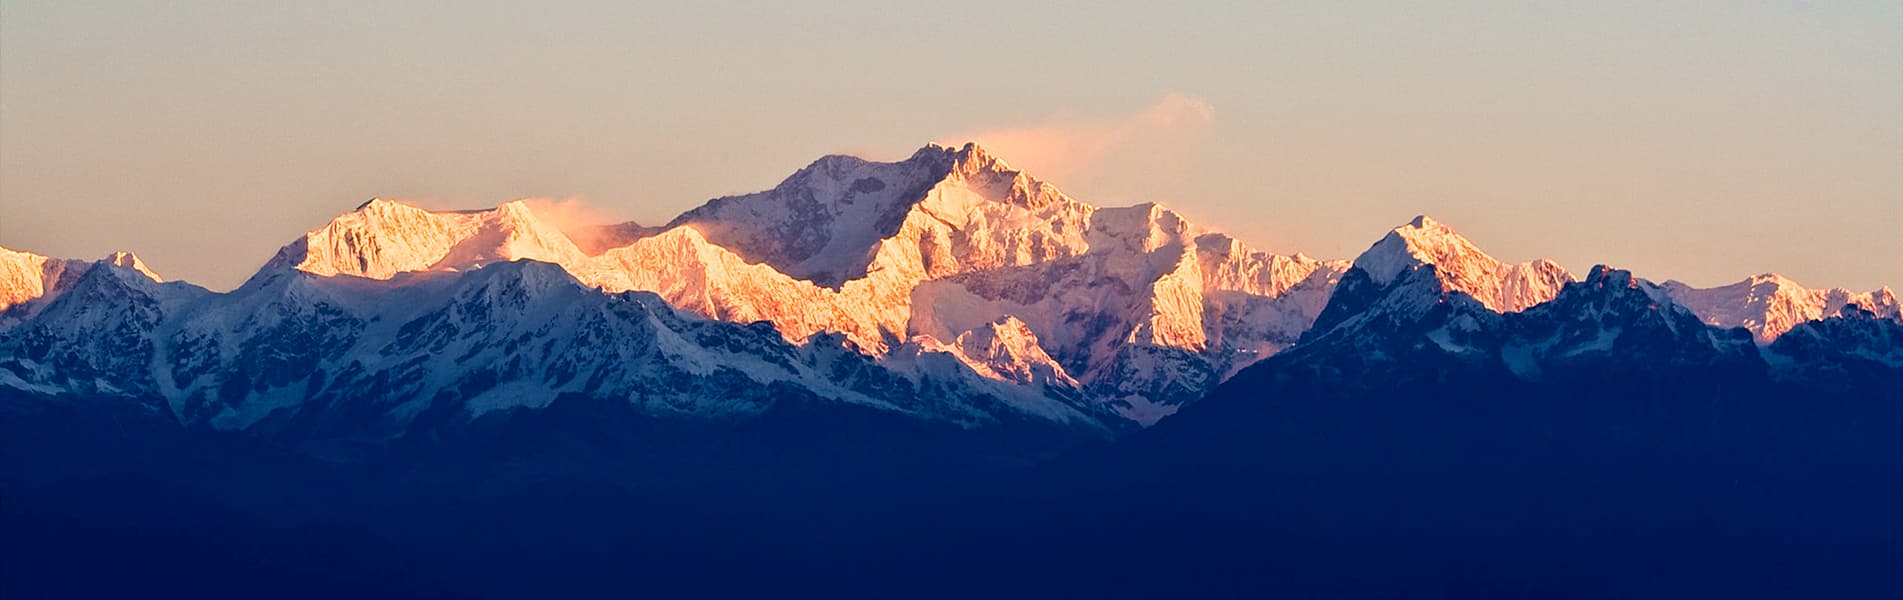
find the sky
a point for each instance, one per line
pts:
(1703, 142)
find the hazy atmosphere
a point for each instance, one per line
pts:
(1701, 144)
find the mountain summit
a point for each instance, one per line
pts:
(1425, 267)
(1461, 267)
(30, 281)
(383, 238)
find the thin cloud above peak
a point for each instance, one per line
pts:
(1066, 148)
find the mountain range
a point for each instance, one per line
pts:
(947, 270)
(865, 323)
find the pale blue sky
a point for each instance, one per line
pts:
(1703, 143)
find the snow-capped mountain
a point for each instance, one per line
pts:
(99, 336)
(1770, 305)
(25, 276)
(1461, 267)
(298, 356)
(1424, 302)
(383, 238)
(1609, 416)
(1614, 322)
(1153, 314)
(1609, 323)
(1423, 267)
(824, 223)
(948, 271)
(1137, 305)
(28, 281)
(1426, 283)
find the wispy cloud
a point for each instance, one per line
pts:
(1066, 147)
(577, 218)
(573, 211)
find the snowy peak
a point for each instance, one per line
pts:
(974, 162)
(1604, 277)
(952, 239)
(25, 276)
(383, 238)
(1460, 266)
(1609, 323)
(1770, 304)
(1422, 241)
(693, 274)
(1007, 349)
(378, 240)
(511, 232)
(98, 332)
(1230, 266)
(823, 223)
(127, 260)
(1144, 227)
(518, 284)
(951, 244)
(833, 221)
